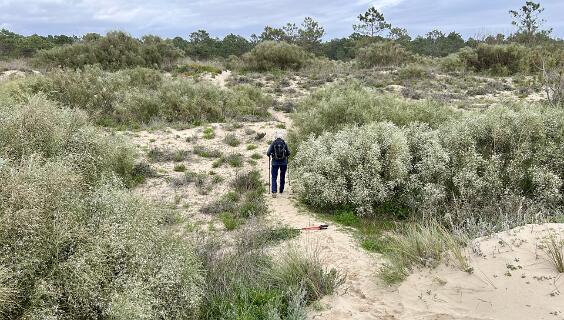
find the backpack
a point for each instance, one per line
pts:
(279, 148)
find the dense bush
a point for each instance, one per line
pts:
(495, 59)
(383, 54)
(117, 50)
(13, 45)
(270, 55)
(472, 170)
(74, 243)
(138, 96)
(337, 106)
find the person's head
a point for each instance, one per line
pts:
(278, 135)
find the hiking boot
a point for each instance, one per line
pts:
(274, 195)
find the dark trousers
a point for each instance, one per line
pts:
(275, 168)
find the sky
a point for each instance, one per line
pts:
(170, 18)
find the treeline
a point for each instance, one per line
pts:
(13, 45)
(119, 50)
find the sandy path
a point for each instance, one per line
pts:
(360, 296)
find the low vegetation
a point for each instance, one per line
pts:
(271, 55)
(247, 283)
(421, 246)
(554, 249)
(91, 248)
(116, 50)
(482, 170)
(341, 105)
(383, 54)
(140, 96)
(244, 202)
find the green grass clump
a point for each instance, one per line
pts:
(421, 246)
(231, 140)
(251, 147)
(256, 156)
(209, 133)
(206, 152)
(179, 168)
(295, 270)
(347, 218)
(166, 155)
(554, 249)
(245, 283)
(230, 221)
(234, 160)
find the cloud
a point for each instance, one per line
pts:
(220, 17)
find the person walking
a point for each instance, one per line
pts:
(279, 152)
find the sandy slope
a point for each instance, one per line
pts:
(512, 279)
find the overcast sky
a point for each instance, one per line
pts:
(220, 17)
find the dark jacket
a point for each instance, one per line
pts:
(270, 152)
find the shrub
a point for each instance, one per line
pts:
(337, 106)
(116, 50)
(38, 128)
(7, 298)
(231, 140)
(495, 59)
(139, 96)
(91, 248)
(269, 55)
(179, 167)
(206, 152)
(230, 222)
(167, 155)
(414, 71)
(234, 159)
(383, 54)
(484, 171)
(196, 68)
(361, 167)
(422, 246)
(248, 181)
(452, 63)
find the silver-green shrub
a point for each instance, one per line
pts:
(355, 167)
(74, 243)
(475, 169)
